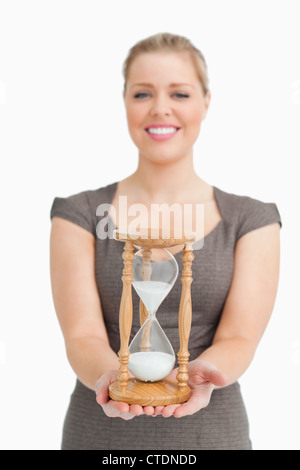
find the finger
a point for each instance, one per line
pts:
(169, 410)
(127, 416)
(185, 410)
(214, 377)
(148, 410)
(115, 409)
(202, 371)
(110, 410)
(158, 410)
(199, 399)
(218, 378)
(103, 396)
(106, 379)
(136, 410)
(119, 407)
(102, 385)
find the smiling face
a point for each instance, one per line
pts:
(165, 105)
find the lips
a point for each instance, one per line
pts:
(161, 124)
(162, 131)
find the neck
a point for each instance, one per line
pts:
(165, 182)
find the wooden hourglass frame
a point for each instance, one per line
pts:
(163, 392)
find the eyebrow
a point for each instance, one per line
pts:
(171, 84)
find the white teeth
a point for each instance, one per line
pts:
(162, 130)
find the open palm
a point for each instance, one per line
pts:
(203, 377)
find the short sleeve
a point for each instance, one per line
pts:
(256, 214)
(76, 209)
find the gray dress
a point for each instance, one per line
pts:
(224, 423)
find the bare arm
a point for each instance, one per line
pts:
(246, 313)
(249, 303)
(78, 307)
(77, 302)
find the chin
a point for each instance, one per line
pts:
(162, 157)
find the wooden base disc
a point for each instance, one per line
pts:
(149, 393)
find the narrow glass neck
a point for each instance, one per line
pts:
(152, 315)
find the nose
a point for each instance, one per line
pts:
(160, 106)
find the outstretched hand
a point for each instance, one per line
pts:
(115, 409)
(203, 378)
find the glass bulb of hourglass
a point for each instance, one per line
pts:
(151, 354)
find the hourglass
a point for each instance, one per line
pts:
(150, 357)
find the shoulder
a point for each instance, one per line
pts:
(245, 212)
(81, 208)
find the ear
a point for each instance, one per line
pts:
(123, 94)
(207, 99)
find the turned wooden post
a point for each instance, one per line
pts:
(125, 317)
(185, 316)
(146, 277)
(147, 271)
(143, 313)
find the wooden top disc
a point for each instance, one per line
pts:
(155, 238)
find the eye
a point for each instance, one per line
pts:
(181, 95)
(140, 95)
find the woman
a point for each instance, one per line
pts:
(235, 273)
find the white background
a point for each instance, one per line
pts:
(63, 130)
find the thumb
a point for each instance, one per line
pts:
(102, 385)
(209, 372)
(218, 378)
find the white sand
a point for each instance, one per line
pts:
(152, 293)
(150, 366)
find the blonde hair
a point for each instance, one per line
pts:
(169, 43)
